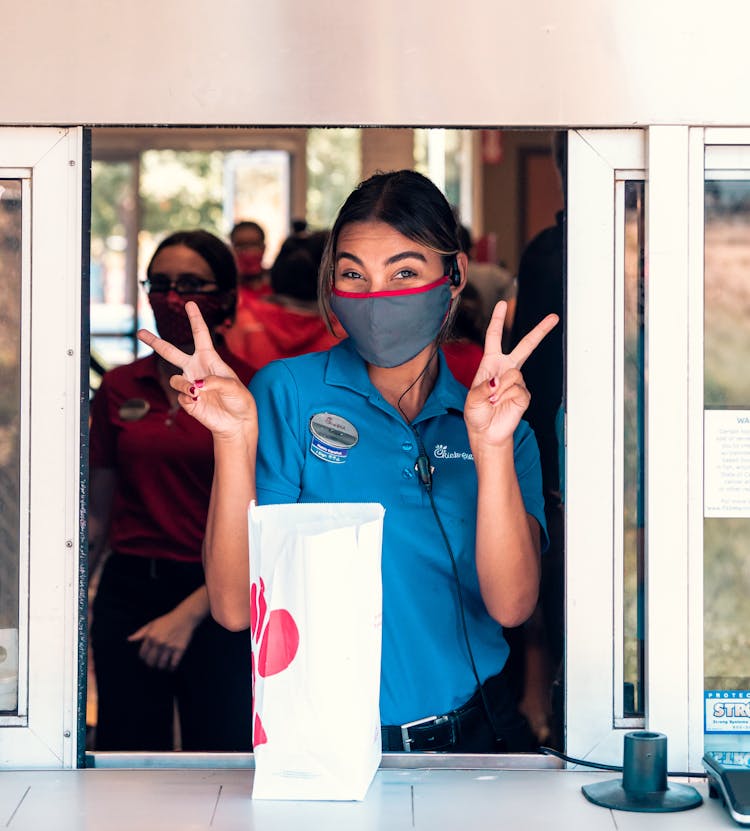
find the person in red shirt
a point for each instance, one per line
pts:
(248, 240)
(464, 348)
(287, 322)
(151, 465)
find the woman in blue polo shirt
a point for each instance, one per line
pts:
(379, 418)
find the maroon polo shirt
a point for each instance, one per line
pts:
(163, 458)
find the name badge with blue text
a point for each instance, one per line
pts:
(332, 437)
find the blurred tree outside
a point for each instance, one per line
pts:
(110, 181)
(177, 190)
(726, 585)
(180, 190)
(334, 164)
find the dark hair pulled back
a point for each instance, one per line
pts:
(407, 201)
(215, 252)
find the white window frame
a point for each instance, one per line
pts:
(670, 159)
(48, 161)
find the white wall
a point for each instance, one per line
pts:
(393, 62)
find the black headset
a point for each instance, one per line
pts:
(455, 274)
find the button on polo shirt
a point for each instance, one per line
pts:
(425, 667)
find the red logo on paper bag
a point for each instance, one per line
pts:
(275, 640)
(259, 734)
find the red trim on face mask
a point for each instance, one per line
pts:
(361, 295)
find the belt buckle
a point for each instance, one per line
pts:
(405, 740)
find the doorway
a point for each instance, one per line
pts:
(504, 184)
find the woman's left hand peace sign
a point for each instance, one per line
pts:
(210, 390)
(498, 396)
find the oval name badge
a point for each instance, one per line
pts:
(133, 409)
(332, 437)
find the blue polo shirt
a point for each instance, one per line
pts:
(425, 667)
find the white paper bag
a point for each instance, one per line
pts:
(316, 622)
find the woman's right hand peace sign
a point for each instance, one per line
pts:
(498, 396)
(209, 390)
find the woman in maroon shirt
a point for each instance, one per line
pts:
(151, 465)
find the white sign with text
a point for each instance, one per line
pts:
(726, 488)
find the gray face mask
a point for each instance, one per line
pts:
(388, 328)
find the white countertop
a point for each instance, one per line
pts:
(220, 799)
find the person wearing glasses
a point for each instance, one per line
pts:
(154, 642)
(286, 322)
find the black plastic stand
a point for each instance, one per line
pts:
(644, 786)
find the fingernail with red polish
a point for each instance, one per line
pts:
(195, 398)
(192, 390)
(199, 383)
(492, 382)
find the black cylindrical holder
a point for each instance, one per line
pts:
(644, 786)
(644, 762)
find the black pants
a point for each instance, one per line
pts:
(504, 730)
(211, 685)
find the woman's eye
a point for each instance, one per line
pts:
(350, 275)
(405, 274)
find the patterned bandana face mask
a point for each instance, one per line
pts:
(172, 322)
(388, 328)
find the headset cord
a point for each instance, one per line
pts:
(424, 472)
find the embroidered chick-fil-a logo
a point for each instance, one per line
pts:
(275, 642)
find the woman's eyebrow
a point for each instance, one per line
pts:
(406, 255)
(345, 255)
(396, 258)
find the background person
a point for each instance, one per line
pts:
(492, 283)
(248, 240)
(154, 642)
(457, 472)
(286, 322)
(541, 292)
(464, 347)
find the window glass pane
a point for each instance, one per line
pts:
(113, 221)
(334, 163)
(257, 187)
(10, 435)
(445, 156)
(633, 704)
(456, 148)
(727, 475)
(727, 294)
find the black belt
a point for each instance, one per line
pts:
(434, 732)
